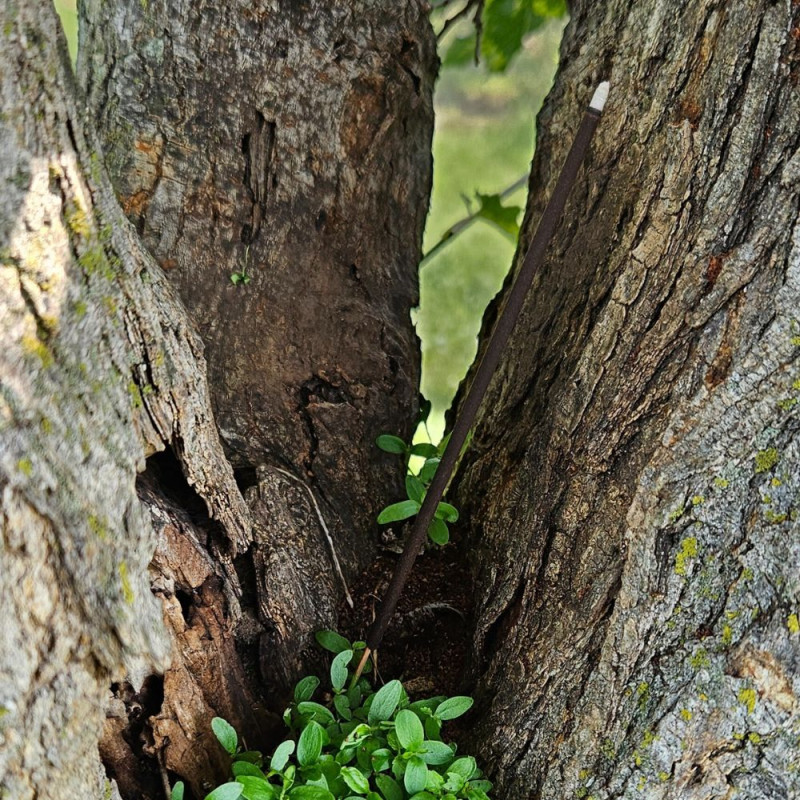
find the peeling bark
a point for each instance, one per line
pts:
(632, 484)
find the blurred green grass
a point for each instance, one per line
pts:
(483, 141)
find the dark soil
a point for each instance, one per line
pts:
(427, 642)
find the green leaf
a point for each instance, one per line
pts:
(424, 411)
(355, 779)
(389, 787)
(409, 729)
(454, 783)
(423, 796)
(391, 444)
(310, 793)
(339, 669)
(454, 707)
(397, 511)
(305, 688)
(251, 756)
(447, 512)
(225, 734)
(429, 704)
(504, 217)
(240, 768)
(484, 786)
(332, 641)
(436, 753)
(228, 791)
(433, 728)
(429, 470)
(460, 52)
(439, 532)
(342, 706)
(414, 489)
(316, 710)
(256, 788)
(380, 759)
(309, 745)
(465, 767)
(281, 755)
(235, 278)
(475, 794)
(177, 791)
(425, 450)
(435, 782)
(416, 775)
(385, 701)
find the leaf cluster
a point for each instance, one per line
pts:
(417, 483)
(354, 743)
(500, 31)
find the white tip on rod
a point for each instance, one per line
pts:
(600, 96)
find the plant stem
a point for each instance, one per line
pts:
(464, 223)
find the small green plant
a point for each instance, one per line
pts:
(417, 483)
(356, 744)
(242, 276)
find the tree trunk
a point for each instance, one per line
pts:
(632, 484)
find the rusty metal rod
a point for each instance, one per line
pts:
(505, 325)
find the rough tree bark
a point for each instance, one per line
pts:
(297, 144)
(633, 483)
(292, 142)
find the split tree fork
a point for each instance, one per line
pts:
(505, 325)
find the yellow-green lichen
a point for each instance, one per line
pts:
(773, 518)
(698, 500)
(676, 514)
(663, 776)
(46, 425)
(98, 527)
(78, 221)
(136, 395)
(686, 714)
(787, 403)
(721, 483)
(25, 466)
(688, 550)
(34, 346)
(766, 459)
(607, 749)
(642, 694)
(727, 635)
(754, 738)
(700, 659)
(793, 623)
(127, 590)
(747, 697)
(747, 574)
(110, 304)
(80, 309)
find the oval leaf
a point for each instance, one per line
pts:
(241, 768)
(436, 753)
(425, 450)
(398, 511)
(310, 793)
(177, 791)
(416, 776)
(225, 734)
(355, 779)
(339, 669)
(447, 512)
(465, 767)
(281, 755)
(385, 701)
(332, 641)
(257, 788)
(342, 706)
(309, 745)
(391, 444)
(409, 731)
(438, 532)
(316, 710)
(414, 489)
(454, 707)
(389, 787)
(228, 791)
(305, 688)
(429, 470)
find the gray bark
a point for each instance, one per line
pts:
(633, 482)
(100, 369)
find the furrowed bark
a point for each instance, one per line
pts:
(290, 140)
(632, 485)
(101, 369)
